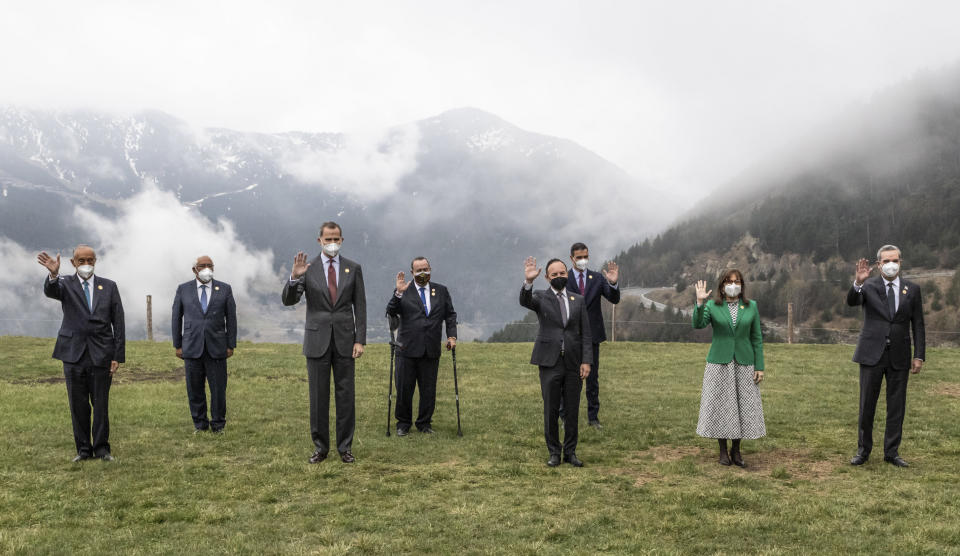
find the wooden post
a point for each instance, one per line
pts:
(613, 323)
(789, 323)
(149, 318)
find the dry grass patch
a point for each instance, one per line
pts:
(950, 389)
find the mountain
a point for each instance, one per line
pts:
(886, 171)
(472, 192)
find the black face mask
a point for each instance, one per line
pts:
(422, 279)
(559, 282)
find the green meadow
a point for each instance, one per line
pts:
(650, 485)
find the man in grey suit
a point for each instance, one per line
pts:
(892, 309)
(204, 332)
(563, 350)
(334, 335)
(91, 343)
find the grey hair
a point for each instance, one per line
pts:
(418, 259)
(889, 247)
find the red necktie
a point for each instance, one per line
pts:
(332, 282)
(582, 290)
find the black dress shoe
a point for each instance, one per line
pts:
(403, 431)
(858, 460)
(317, 457)
(426, 430)
(80, 457)
(216, 431)
(573, 460)
(896, 460)
(347, 457)
(595, 424)
(107, 457)
(553, 461)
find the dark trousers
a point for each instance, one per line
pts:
(556, 383)
(593, 388)
(318, 374)
(412, 373)
(870, 381)
(89, 386)
(212, 371)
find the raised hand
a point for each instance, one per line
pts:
(702, 293)
(300, 265)
(51, 264)
(612, 272)
(401, 285)
(530, 270)
(863, 271)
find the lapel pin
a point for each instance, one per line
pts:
(216, 288)
(347, 270)
(99, 287)
(741, 306)
(589, 276)
(904, 292)
(571, 298)
(433, 293)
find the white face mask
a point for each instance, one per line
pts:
(890, 270)
(85, 271)
(581, 264)
(732, 290)
(331, 249)
(205, 275)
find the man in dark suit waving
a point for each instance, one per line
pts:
(593, 286)
(91, 343)
(334, 335)
(563, 350)
(892, 309)
(204, 331)
(423, 311)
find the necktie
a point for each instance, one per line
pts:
(423, 299)
(86, 292)
(891, 300)
(563, 308)
(203, 298)
(332, 282)
(582, 290)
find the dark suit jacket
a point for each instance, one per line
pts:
(345, 319)
(574, 337)
(421, 334)
(194, 331)
(597, 287)
(878, 326)
(100, 332)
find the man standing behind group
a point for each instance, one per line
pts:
(592, 286)
(892, 308)
(204, 328)
(334, 335)
(91, 344)
(423, 310)
(562, 350)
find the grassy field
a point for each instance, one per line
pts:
(649, 485)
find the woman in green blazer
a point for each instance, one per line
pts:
(730, 405)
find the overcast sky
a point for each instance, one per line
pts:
(681, 94)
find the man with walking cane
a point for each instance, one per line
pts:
(423, 310)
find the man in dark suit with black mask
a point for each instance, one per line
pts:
(423, 311)
(204, 332)
(892, 309)
(563, 350)
(91, 343)
(334, 334)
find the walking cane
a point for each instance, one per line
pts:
(394, 324)
(456, 389)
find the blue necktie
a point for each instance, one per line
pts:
(423, 298)
(203, 298)
(86, 292)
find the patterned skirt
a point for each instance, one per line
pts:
(730, 405)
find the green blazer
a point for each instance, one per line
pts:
(742, 342)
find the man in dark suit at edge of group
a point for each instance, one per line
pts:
(334, 334)
(892, 309)
(563, 351)
(91, 343)
(593, 286)
(204, 332)
(423, 310)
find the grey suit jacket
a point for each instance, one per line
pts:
(345, 319)
(574, 337)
